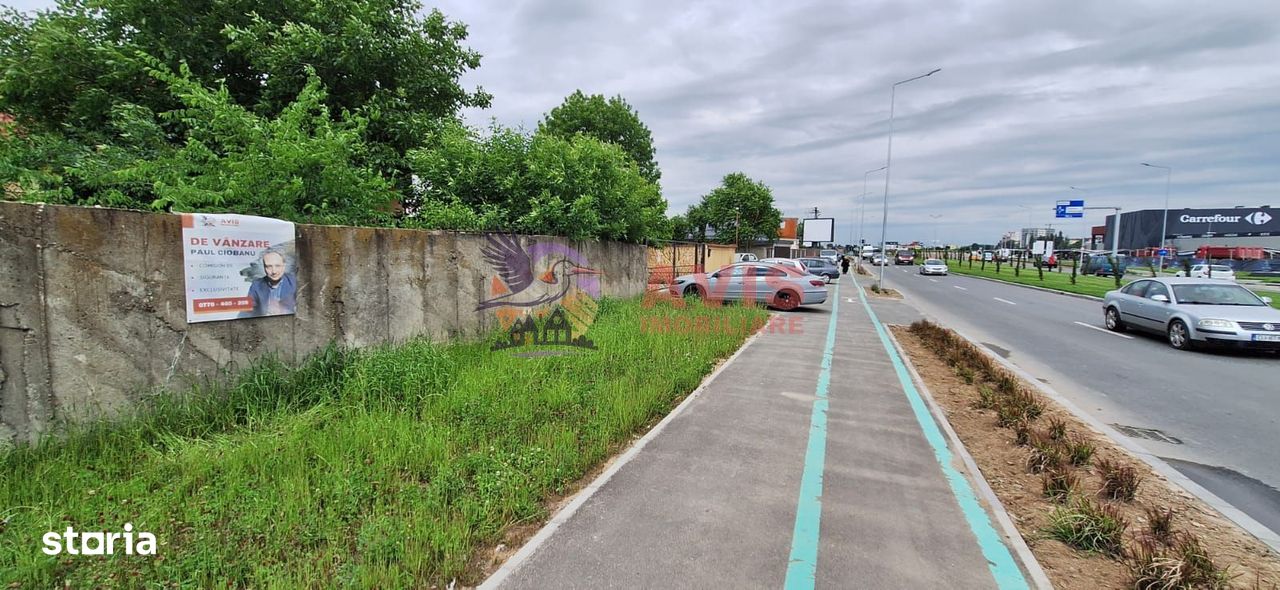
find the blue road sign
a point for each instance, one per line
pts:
(1069, 209)
(1162, 252)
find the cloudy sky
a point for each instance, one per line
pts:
(1033, 97)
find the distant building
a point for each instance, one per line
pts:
(1189, 229)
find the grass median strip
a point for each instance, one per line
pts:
(385, 467)
(1091, 285)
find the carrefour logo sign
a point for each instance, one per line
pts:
(1256, 218)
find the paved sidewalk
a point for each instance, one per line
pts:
(753, 485)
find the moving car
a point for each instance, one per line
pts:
(821, 267)
(878, 259)
(933, 266)
(831, 255)
(1192, 312)
(1209, 271)
(778, 286)
(905, 257)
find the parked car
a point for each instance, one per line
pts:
(789, 263)
(778, 286)
(1101, 266)
(821, 267)
(988, 256)
(1051, 262)
(745, 257)
(933, 266)
(1190, 312)
(905, 257)
(1209, 271)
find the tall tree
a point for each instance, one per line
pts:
(69, 69)
(609, 120)
(740, 210)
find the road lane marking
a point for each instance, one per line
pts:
(1093, 327)
(934, 280)
(960, 288)
(1007, 574)
(802, 567)
(1004, 301)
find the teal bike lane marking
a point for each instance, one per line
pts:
(1003, 568)
(802, 567)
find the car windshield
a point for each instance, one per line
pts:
(933, 262)
(1205, 294)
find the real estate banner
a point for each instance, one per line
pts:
(238, 266)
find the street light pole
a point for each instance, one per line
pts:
(862, 215)
(888, 163)
(1164, 225)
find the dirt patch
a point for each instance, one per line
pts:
(884, 293)
(1004, 465)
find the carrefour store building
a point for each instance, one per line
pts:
(1189, 229)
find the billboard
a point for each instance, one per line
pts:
(819, 229)
(1141, 229)
(238, 266)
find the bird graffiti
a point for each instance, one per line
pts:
(518, 270)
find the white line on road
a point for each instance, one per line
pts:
(960, 288)
(934, 280)
(1093, 327)
(1004, 301)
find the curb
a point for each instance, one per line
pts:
(530, 547)
(1155, 463)
(1011, 534)
(1045, 289)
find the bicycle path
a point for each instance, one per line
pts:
(807, 461)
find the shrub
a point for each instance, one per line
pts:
(1119, 482)
(1059, 482)
(1160, 523)
(1079, 451)
(1089, 526)
(987, 398)
(1184, 564)
(1046, 454)
(1057, 429)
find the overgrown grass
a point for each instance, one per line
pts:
(384, 467)
(1182, 563)
(1119, 481)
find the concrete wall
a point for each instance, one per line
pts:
(92, 313)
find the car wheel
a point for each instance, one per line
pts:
(786, 300)
(1113, 321)
(693, 291)
(1180, 336)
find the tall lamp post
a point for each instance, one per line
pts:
(862, 215)
(888, 163)
(1164, 225)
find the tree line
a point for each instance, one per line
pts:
(342, 112)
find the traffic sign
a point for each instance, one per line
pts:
(1069, 209)
(1162, 252)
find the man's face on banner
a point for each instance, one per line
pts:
(273, 264)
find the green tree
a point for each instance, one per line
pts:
(608, 120)
(578, 187)
(69, 70)
(740, 209)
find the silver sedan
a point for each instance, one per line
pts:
(1192, 312)
(779, 286)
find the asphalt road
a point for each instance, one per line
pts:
(1221, 409)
